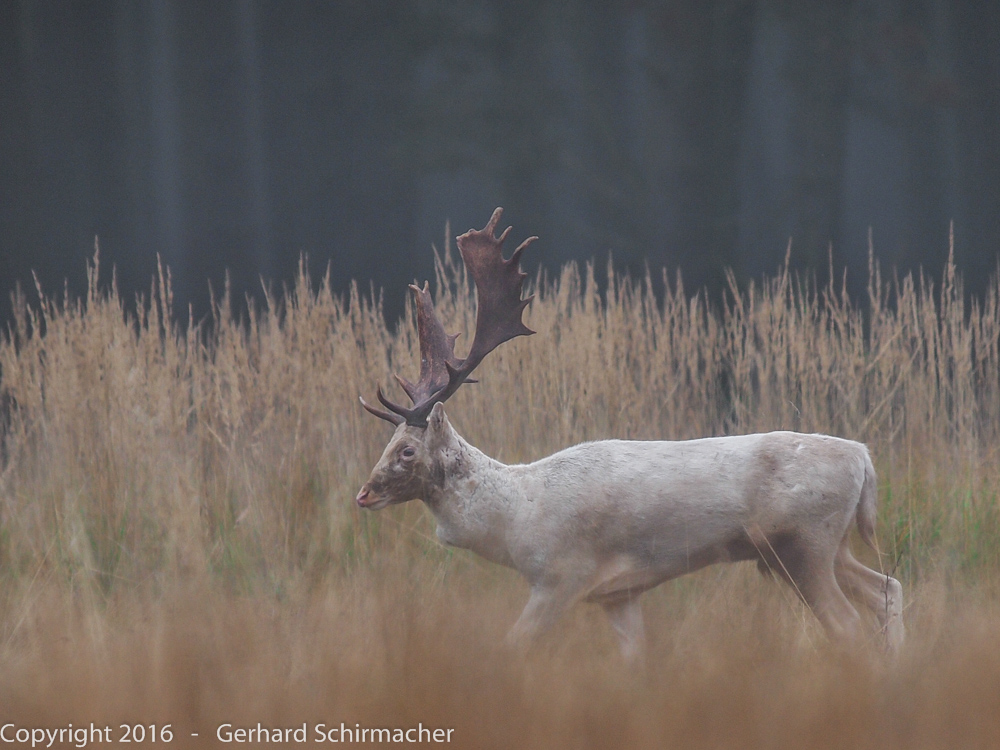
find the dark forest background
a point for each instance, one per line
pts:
(694, 134)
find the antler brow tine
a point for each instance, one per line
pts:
(396, 419)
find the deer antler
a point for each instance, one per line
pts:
(498, 319)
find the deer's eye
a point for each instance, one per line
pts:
(408, 452)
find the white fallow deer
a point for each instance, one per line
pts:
(607, 520)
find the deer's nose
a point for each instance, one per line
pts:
(363, 496)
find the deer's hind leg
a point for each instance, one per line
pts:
(809, 570)
(880, 593)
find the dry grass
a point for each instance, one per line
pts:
(178, 541)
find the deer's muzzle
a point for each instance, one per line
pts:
(365, 497)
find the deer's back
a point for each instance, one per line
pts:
(659, 501)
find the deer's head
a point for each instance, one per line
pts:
(422, 430)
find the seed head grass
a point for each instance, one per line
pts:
(179, 543)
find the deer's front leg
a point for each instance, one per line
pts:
(544, 607)
(626, 618)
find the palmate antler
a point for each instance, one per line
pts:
(498, 319)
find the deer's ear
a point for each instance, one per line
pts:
(438, 420)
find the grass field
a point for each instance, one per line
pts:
(179, 543)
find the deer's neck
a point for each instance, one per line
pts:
(474, 500)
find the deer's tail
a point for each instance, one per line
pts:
(867, 505)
